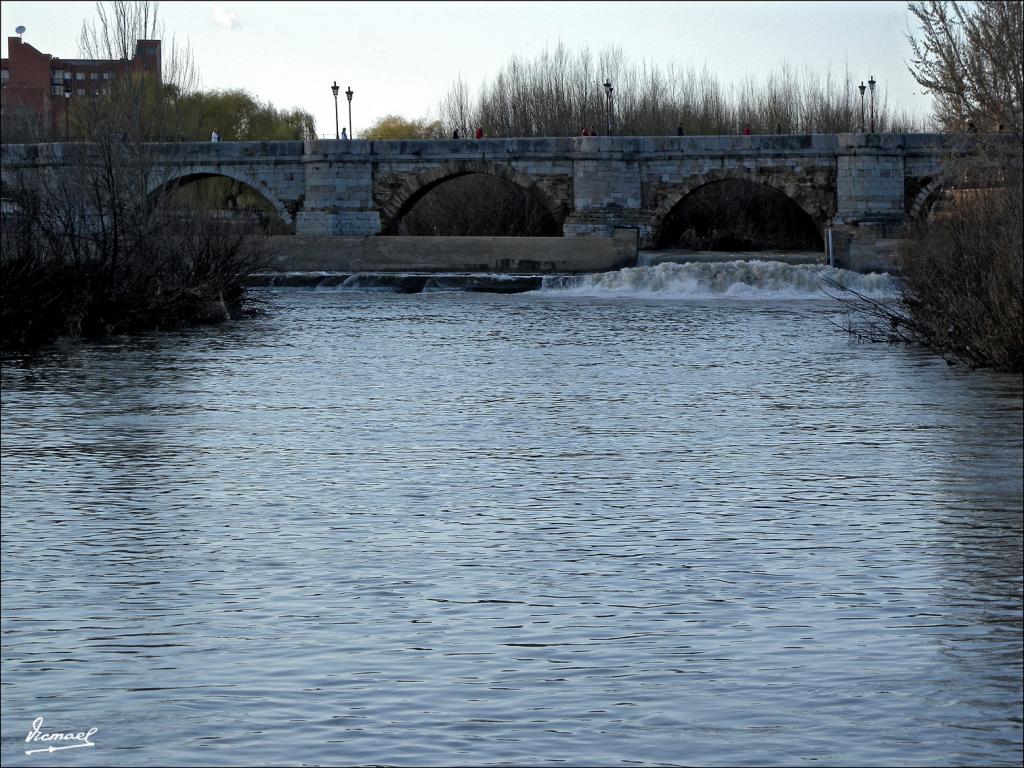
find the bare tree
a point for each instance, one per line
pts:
(454, 109)
(558, 93)
(969, 57)
(96, 247)
(118, 27)
(136, 106)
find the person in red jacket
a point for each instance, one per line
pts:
(479, 133)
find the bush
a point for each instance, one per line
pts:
(87, 252)
(963, 279)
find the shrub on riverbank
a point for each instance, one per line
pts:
(88, 251)
(186, 272)
(963, 279)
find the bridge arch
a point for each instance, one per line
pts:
(817, 201)
(921, 204)
(416, 186)
(194, 173)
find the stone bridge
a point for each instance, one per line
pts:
(861, 186)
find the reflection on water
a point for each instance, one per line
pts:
(535, 529)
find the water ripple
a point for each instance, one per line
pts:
(521, 530)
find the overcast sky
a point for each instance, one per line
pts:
(401, 57)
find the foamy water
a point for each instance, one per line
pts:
(733, 279)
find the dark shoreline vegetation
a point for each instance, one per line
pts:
(963, 280)
(961, 284)
(182, 273)
(89, 252)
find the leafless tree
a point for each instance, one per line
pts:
(455, 109)
(118, 27)
(970, 57)
(140, 106)
(94, 246)
(559, 93)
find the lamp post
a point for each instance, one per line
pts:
(67, 113)
(871, 85)
(348, 95)
(862, 89)
(608, 92)
(334, 89)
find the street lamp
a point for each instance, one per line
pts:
(348, 95)
(334, 89)
(862, 89)
(871, 85)
(67, 112)
(608, 92)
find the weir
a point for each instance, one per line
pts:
(736, 280)
(453, 254)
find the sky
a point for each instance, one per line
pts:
(402, 57)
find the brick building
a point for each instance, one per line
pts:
(38, 88)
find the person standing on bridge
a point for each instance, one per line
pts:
(344, 134)
(455, 133)
(479, 133)
(746, 129)
(215, 136)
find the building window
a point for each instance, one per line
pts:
(81, 91)
(94, 76)
(56, 90)
(67, 75)
(79, 75)
(56, 77)
(106, 75)
(5, 75)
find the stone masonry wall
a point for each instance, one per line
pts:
(859, 184)
(452, 254)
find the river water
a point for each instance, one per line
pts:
(667, 516)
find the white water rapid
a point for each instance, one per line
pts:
(732, 279)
